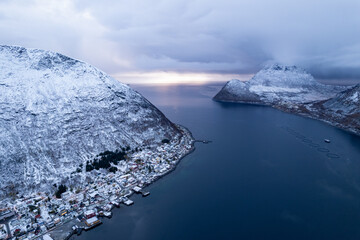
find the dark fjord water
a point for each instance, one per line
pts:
(266, 175)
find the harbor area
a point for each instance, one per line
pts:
(68, 213)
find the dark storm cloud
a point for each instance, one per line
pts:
(228, 36)
(237, 36)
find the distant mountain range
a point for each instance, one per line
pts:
(292, 89)
(57, 112)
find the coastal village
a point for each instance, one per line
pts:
(45, 216)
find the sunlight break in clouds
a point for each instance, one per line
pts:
(169, 78)
(197, 36)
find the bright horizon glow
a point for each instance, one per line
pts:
(141, 38)
(173, 78)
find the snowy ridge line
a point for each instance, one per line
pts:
(293, 90)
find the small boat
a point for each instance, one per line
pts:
(145, 194)
(115, 203)
(107, 214)
(128, 202)
(327, 140)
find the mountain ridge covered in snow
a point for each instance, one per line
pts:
(343, 110)
(57, 112)
(277, 83)
(292, 89)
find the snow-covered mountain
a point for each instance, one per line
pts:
(275, 84)
(346, 102)
(292, 89)
(57, 112)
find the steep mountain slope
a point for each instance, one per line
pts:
(343, 110)
(277, 84)
(57, 112)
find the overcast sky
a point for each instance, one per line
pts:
(192, 36)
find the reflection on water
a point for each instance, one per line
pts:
(179, 95)
(266, 175)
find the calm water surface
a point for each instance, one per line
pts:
(266, 175)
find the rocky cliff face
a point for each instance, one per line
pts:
(57, 112)
(292, 89)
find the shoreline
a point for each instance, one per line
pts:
(59, 218)
(191, 150)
